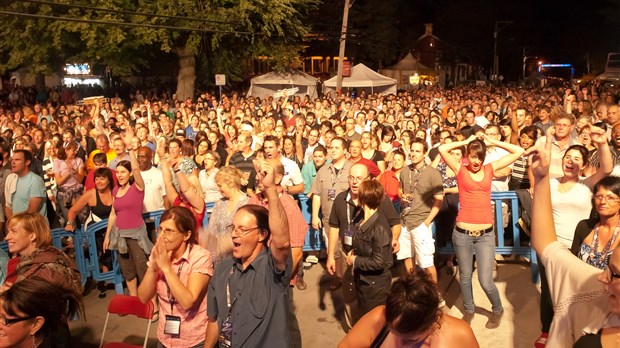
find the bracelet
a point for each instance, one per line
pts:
(70, 223)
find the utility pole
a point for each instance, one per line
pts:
(343, 43)
(499, 25)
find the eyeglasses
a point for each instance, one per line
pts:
(10, 321)
(357, 178)
(609, 199)
(167, 231)
(238, 231)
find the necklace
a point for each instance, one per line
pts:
(597, 259)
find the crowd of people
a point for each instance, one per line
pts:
(386, 179)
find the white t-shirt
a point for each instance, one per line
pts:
(154, 190)
(493, 154)
(292, 174)
(569, 208)
(481, 121)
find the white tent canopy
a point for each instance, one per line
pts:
(408, 66)
(362, 77)
(268, 84)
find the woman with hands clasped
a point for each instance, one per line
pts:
(586, 299)
(474, 223)
(178, 272)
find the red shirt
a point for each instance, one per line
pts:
(475, 197)
(390, 184)
(373, 169)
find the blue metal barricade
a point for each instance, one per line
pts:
(78, 244)
(314, 239)
(515, 249)
(113, 276)
(205, 220)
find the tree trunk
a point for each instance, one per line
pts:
(187, 73)
(39, 81)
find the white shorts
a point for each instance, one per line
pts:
(424, 245)
(404, 240)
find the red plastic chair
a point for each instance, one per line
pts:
(128, 305)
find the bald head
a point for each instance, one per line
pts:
(357, 174)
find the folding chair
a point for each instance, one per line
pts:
(128, 305)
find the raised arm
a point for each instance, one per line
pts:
(278, 222)
(171, 191)
(444, 152)
(515, 151)
(189, 192)
(543, 228)
(299, 149)
(135, 167)
(606, 166)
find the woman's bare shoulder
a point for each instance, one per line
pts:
(456, 332)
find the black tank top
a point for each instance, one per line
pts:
(101, 210)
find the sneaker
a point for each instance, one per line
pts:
(312, 259)
(541, 342)
(468, 316)
(494, 320)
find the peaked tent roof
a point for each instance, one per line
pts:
(288, 77)
(268, 84)
(362, 76)
(409, 63)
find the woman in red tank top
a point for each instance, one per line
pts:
(474, 224)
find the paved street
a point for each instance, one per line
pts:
(318, 311)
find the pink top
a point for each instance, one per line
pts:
(475, 197)
(128, 208)
(193, 321)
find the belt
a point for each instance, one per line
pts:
(473, 233)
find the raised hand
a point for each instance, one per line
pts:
(598, 135)
(539, 159)
(127, 137)
(266, 172)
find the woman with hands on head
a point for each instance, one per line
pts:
(178, 273)
(589, 315)
(126, 232)
(474, 223)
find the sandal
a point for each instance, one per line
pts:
(336, 284)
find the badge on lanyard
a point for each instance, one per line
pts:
(331, 194)
(173, 326)
(226, 333)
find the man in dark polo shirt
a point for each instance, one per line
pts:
(243, 160)
(346, 213)
(421, 191)
(248, 301)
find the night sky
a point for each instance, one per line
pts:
(554, 31)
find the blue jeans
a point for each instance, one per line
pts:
(484, 247)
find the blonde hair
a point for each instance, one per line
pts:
(229, 175)
(34, 223)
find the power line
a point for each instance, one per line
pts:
(144, 25)
(127, 12)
